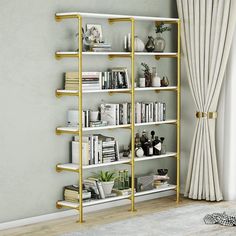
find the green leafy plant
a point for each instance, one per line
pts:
(146, 69)
(106, 176)
(160, 28)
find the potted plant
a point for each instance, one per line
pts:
(107, 180)
(147, 74)
(159, 41)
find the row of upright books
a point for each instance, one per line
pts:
(96, 149)
(119, 114)
(115, 78)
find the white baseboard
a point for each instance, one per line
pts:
(66, 213)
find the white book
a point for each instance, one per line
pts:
(125, 113)
(109, 113)
(95, 138)
(117, 114)
(151, 112)
(117, 151)
(161, 110)
(76, 153)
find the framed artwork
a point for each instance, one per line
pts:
(95, 32)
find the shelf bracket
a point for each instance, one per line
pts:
(113, 20)
(112, 56)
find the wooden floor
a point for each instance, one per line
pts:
(68, 224)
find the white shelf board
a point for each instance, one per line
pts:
(156, 88)
(156, 190)
(63, 91)
(156, 123)
(75, 129)
(75, 167)
(107, 16)
(101, 201)
(156, 53)
(71, 53)
(92, 202)
(168, 154)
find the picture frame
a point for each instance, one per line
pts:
(96, 31)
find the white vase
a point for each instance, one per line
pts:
(138, 44)
(107, 187)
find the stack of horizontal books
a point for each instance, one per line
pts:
(96, 149)
(100, 47)
(113, 78)
(160, 181)
(71, 193)
(90, 80)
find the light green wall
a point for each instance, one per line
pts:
(29, 75)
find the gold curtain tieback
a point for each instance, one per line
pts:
(208, 115)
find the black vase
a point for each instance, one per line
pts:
(150, 46)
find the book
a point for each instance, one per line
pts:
(109, 113)
(71, 193)
(123, 192)
(99, 186)
(76, 155)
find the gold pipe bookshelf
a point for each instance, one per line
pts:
(79, 130)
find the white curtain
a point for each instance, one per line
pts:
(206, 36)
(226, 127)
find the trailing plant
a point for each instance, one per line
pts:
(160, 28)
(146, 69)
(106, 176)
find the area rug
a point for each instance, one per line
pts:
(180, 221)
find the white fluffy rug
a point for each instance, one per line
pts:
(181, 221)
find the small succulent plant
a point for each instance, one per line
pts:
(105, 176)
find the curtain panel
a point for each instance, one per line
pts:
(207, 28)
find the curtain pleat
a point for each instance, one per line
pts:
(206, 36)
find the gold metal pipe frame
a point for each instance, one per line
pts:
(158, 57)
(61, 17)
(80, 106)
(111, 56)
(59, 56)
(166, 22)
(60, 169)
(113, 20)
(59, 94)
(59, 132)
(132, 118)
(178, 118)
(114, 92)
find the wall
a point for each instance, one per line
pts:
(29, 148)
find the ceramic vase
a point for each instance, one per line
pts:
(159, 43)
(150, 46)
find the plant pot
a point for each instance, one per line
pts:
(107, 187)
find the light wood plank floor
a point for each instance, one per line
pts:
(68, 224)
